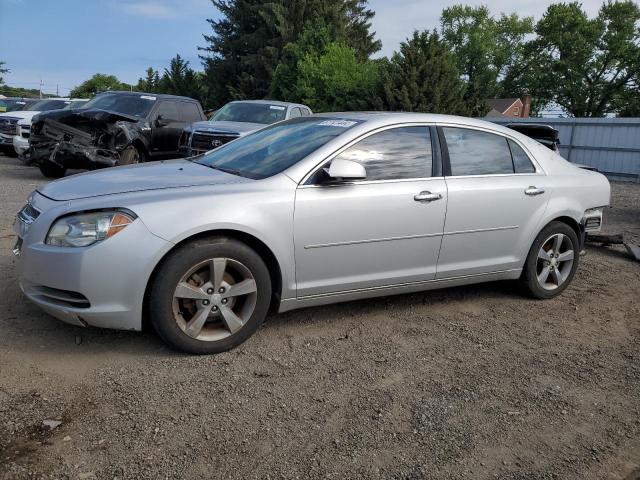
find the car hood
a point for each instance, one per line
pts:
(21, 114)
(136, 178)
(227, 127)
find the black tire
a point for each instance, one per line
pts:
(10, 152)
(161, 297)
(130, 156)
(533, 265)
(52, 170)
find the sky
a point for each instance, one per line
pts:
(64, 42)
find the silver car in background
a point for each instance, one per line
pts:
(310, 211)
(234, 120)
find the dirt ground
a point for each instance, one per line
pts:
(474, 382)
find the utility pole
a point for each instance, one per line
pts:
(57, 90)
(41, 84)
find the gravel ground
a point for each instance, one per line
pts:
(473, 382)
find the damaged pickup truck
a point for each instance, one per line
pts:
(115, 128)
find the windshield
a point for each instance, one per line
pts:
(46, 105)
(21, 105)
(274, 149)
(135, 105)
(13, 105)
(76, 104)
(250, 112)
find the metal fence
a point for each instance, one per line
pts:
(611, 145)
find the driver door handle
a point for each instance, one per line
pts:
(427, 196)
(533, 191)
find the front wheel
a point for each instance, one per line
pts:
(52, 170)
(552, 261)
(129, 156)
(10, 151)
(210, 296)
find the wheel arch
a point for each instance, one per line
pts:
(267, 255)
(139, 145)
(563, 217)
(567, 220)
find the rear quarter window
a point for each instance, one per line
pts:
(521, 162)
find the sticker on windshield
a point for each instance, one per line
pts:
(337, 123)
(147, 97)
(276, 107)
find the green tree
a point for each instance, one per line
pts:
(588, 66)
(423, 77)
(8, 91)
(179, 79)
(345, 21)
(335, 80)
(312, 42)
(150, 82)
(100, 82)
(630, 102)
(247, 43)
(3, 71)
(486, 49)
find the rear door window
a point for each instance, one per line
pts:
(295, 112)
(168, 111)
(473, 152)
(189, 112)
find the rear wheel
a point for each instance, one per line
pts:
(210, 296)
(552, 261)
(52, 170)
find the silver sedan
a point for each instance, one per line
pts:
(310, 211)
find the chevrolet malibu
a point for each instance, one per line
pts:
(310, 211)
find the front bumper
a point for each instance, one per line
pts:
(102, 285)
(71, 155)
(20, 144)
(6, 140)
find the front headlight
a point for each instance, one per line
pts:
(85, 229)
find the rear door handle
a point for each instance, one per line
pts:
(427, 197)
(533, 191)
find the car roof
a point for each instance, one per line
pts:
(271, 102)
(389, 118)
(157, 95)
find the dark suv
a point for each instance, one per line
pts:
(114, 128)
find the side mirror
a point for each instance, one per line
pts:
(342, 169)
(161, 122)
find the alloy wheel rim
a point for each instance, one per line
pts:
(214, 299)
(554, 261)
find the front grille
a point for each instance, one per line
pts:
(28, 214)
(209, 140)
(8, 126)
(24, 219)
(63, 298)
